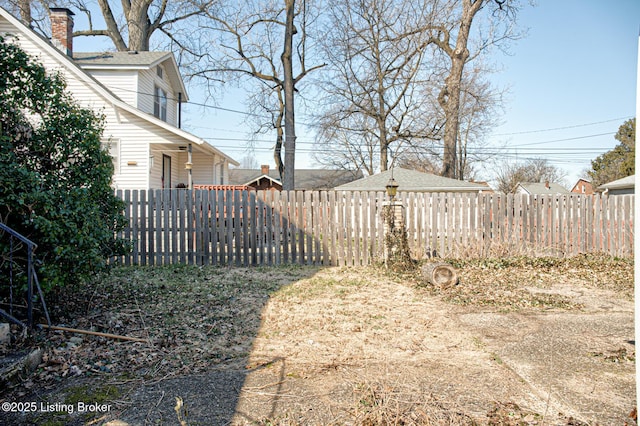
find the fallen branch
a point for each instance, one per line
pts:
(94, 333)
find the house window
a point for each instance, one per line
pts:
(160, 103)
(112, 146)
(159, 71)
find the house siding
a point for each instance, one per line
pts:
(123, 84)
(134, 157)
(119, 125)
(155, 176)
(136, 136)
(148, 80)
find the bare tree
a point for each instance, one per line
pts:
(373, 88)
(34, 13)
(532, 170)
(131, 24)
(422, 161)
(256, 41)
(344, 148)
(454, 38)
(480, 103)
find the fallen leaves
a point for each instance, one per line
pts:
(505, 282)
(198, 317)
(193, 318)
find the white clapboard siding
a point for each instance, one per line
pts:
(139, 139)
(122, 83)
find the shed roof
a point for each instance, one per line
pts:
(541, 188)
(624, 183)
(411, 181)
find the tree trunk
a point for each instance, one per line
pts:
(277, 154)
(289, 116)
(441, 275)
(384, 148)
(25, 11)
(449, 98)
(451, 105)
(139, 25)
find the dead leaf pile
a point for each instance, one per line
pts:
(505, 282)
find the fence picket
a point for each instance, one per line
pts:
(132, 217)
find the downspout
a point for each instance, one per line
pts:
(180, 110)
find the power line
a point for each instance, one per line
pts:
(299, 142)
(564, 128)
(563, 140)
(499, 134)
(235, 111)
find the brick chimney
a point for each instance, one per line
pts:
(62, 29)
(265, 169)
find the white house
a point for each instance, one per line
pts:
(540, 188)
(140, 95)
(624, 186)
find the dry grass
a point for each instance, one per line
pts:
(506, 282)
(321, 320)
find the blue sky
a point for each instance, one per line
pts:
(576, 67)
(575, 72)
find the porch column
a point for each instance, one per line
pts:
(189, 167)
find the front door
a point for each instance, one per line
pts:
(166, 172)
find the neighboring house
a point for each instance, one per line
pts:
(305, 179)
(540, 188)
(583, 186)
(411, 181)
(140, 95)
(624, 186)
(487, 188)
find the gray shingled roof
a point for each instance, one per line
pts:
(133, 60)
(540, 188)
(305, 179)
(142, 59)
(411, 181)
(624, 183)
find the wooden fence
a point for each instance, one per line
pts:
(346, 228)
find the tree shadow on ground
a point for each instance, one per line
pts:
(201, 323)
(210, 390)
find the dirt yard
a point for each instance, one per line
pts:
(517, 342)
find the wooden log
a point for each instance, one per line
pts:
(440, 274)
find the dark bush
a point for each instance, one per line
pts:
(55, 179)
